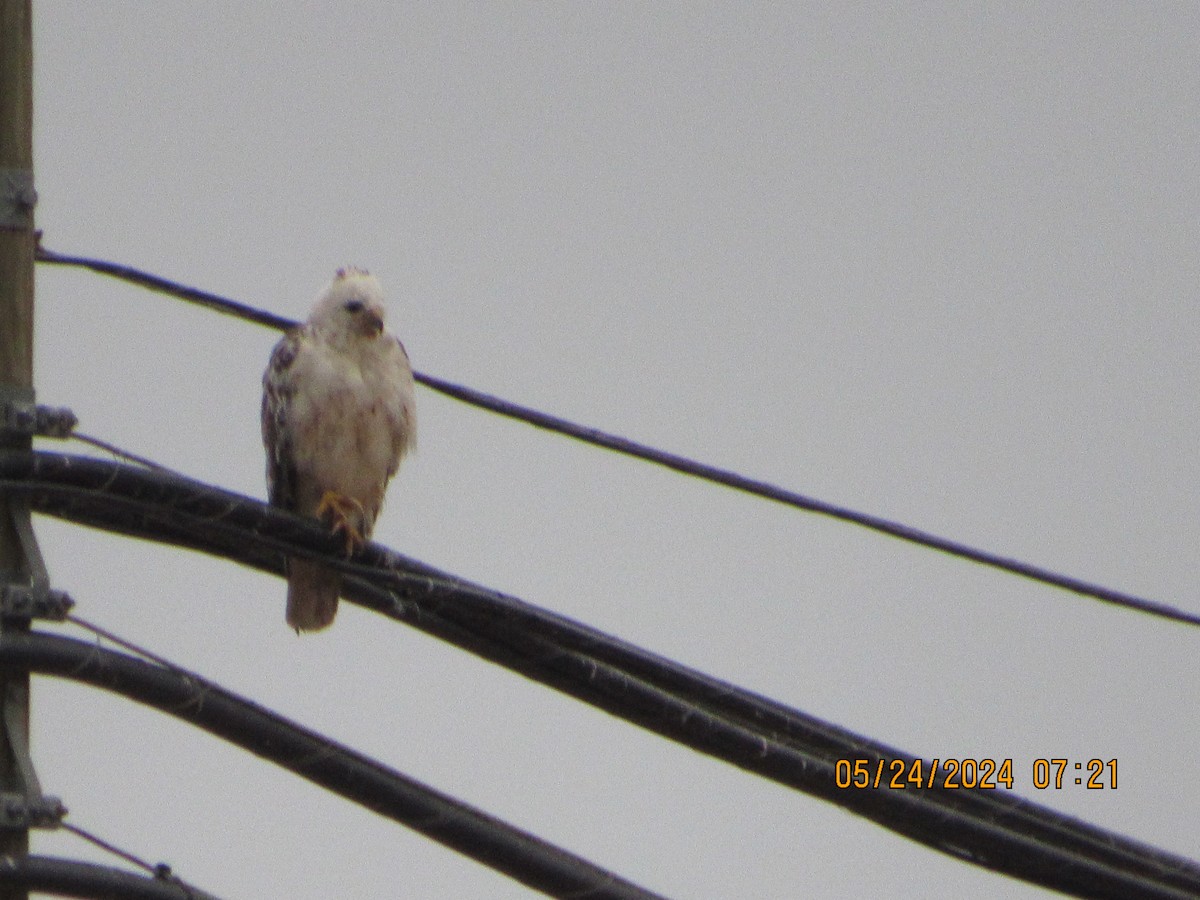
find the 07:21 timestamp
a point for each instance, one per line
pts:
(968, 774)
(1051, 772)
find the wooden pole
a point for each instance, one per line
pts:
(16, 332)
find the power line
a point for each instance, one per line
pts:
(675, 462)
(166, 286)
(71, 878)
(989, 828)
(323, 761)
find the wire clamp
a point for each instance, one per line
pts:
(20, 812)
(24, 602)
(20, 416)
(17, 199)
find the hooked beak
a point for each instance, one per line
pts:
(373, 324)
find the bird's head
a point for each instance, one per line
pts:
(351, 306)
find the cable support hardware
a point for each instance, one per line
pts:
(27, 807)
(24, 593)
(18, 601)
(21, 812)
(24, 418)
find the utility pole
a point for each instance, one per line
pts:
(17, 242)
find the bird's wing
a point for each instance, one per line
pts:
(278, 391)
(404, 429)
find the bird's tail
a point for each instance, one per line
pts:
(312, 596)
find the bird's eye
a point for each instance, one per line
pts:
(354, 306)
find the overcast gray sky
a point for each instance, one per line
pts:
(937, 262)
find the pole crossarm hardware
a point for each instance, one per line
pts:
(25, 807)
(25, 593)
(20, 416)
(990, 828)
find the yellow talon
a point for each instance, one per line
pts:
(337, 509)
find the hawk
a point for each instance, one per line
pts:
(338, 415)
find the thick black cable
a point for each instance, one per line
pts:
(646, 453)
(324, 762)
(70, 878)
(343, 770)
(993, 829)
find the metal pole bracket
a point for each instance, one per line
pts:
(20, 812)
(28, 807)
(17, 199)
(23, 418)
(36, 594)
(24, 602)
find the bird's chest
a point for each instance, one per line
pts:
(344, 415)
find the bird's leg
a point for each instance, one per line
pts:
(341, 512)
